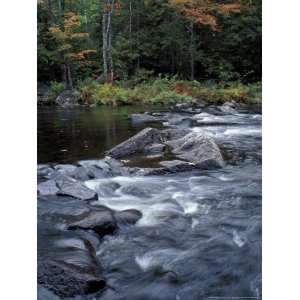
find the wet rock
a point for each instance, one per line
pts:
(95, 168)
(101, 220)
(155, 148)
(177, 165)
(214, 110)
(182, 105)
(44, 171)
(82, 174)
(153, 171)
(228, 108)
(136, 144)
(48, 187)
(117, 168)
(198, 149)
(182, 122)
(61, 209)
(68, 98)
(71, 187)
(137, 119)
(76, 172)
(129, 216)
(67, 264)
(186, 108)
(108, 167)
(136, 191)
(174, 133)
(45, 294)
(65, 169)
(107, 189)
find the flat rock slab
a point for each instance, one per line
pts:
(137, 119)
(71, 187)
(48, 187)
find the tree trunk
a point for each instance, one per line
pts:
(67, 76)
(109, 48)
(172, 62)
(107, 41)
(51, 19)
(138, 35)
(104, 44)
(130, 19)
(192, 52)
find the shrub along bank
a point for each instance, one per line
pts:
(163, 91)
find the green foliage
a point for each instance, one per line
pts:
(171, 97)
(255, 92)
(168, 90)
(55, 89)
(157, 42)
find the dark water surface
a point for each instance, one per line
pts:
(200, 234)
(67, 135)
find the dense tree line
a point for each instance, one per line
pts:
(118, 39)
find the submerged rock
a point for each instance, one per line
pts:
(129, 216)
(137, 119)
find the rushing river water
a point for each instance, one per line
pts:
(200, 234)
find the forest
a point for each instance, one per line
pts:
(156, 51)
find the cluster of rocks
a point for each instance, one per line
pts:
(71, 224)
(71, 221)
(190, 150)
(67, 98)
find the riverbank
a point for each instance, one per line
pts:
(159, 91)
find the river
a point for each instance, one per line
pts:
(200, 234)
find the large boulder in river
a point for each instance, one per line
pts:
(68, 98)
(198, 149)
(195, 150)
(136, 144)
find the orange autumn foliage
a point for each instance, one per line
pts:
(204, 11)
(66, 35)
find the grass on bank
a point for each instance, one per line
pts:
(163, 91)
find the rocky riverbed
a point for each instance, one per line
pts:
(173, 212)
